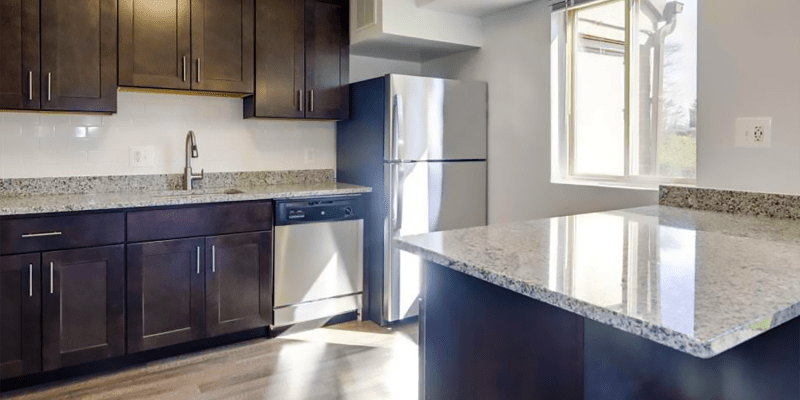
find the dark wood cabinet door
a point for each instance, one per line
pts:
(238, 282)
(327, 57)
(165, 293)
(79, 55)
(19, 55)
(83, 295)
(155, 43)
(280, 60)
(222, 45)
(20, 316)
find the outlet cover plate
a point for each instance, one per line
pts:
(754, 132)
(143, 156)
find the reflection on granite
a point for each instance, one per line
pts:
(731, 201)
(137, 183)
(19, 205)
(697, 281)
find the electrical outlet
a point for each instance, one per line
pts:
(309, 155)
(754, 132)
(143, 156)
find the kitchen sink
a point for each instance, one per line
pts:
(182, 194)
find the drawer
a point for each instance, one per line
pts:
(207, 220)
(28, 235)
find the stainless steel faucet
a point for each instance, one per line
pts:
(191, 152)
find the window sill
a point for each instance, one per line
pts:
(642, 186)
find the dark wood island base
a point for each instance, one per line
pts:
(481, 341)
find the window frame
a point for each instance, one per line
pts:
(567, 173)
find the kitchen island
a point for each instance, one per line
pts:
(696, 298)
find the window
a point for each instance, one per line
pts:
(625, 91)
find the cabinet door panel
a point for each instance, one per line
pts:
(155, 43)
(222, 45)
(20, 316)
(238, 282)
(165, 293)
(82, 306)
(280, 59)
(19, 54)
(79, 55)
(327, 56)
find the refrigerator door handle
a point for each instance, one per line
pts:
(399, 210)
(396, 127)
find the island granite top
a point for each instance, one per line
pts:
(40, 204)
(701, 282)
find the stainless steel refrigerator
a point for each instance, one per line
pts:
(420, 143)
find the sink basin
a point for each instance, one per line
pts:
(181, 194)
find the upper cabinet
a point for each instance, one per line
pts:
(74, 43)
(204, 45)
(302, 56)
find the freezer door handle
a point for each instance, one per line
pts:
(395, 142)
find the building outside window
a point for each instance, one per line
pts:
(625, 92)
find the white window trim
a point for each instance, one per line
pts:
(562, 149)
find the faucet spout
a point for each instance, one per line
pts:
(191, 152)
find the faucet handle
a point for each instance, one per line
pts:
(202, 173)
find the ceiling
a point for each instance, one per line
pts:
(475, 8)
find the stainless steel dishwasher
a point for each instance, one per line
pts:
(319, 258)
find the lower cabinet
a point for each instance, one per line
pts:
(239, 282)
(83, 301)
(165, 293)
(187, 289)
(20, 315)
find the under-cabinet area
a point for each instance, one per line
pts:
(75, 290)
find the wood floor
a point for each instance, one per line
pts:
(356, 360)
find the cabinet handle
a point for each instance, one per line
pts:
(198, 70)
(49, 85)
(198, 260)
(35, 235)
(184, 68)
(51, 277)
(30, 85)
(30, 280)
(311, 100)
(214, 259)
(300, 100)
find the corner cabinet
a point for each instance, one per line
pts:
(202, 45)
(58, 55)
(302, 58)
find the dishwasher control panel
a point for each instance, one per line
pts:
(289, 212)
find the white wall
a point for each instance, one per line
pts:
(363, 68)
(515, 60)
(405, 18)
(51, 145)
(749, 66)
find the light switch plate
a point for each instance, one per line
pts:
(143, 156)
(754, 132)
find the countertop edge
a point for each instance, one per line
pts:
(177, 201)
(664, 336)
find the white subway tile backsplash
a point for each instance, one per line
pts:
(50, 145)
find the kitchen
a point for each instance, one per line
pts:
(515, 45)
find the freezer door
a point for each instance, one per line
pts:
(435, 119)
(426, 197)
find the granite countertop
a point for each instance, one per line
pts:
(698, 281)
(40, 204)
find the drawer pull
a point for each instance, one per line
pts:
(35, 235)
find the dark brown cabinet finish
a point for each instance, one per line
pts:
(79, 55)
(19, 55)
(302, 56)
(82, 306)
(280, 59)
(28, 235)
(222, 45)
(327, 57)
(238, 282)
(155, 43)
(203, 45)
(20, 316)
(165, 293)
